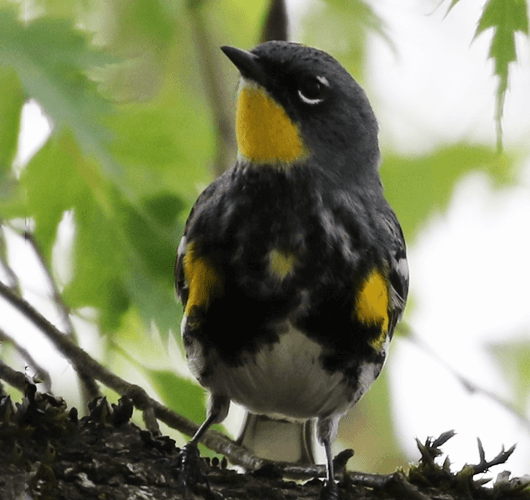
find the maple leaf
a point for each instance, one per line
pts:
(506, 17)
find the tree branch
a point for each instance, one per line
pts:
(152, 408)
(221, 443)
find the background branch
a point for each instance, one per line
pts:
(12, 377)
(215, 87)
(42, 374)
(469, 385)
(89, 389)
(276, 26)
(11, 275)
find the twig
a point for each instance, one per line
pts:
(443, 438)
(64, 311)
(431, 449)
(42, 373)
(209, 65)
(89, 389)
(12, 377)
(15, 285)
(410, 491)
(466, 383)
(484, 464)
(44, 325)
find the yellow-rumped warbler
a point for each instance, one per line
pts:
(292, 268)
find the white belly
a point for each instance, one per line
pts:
(285, 379)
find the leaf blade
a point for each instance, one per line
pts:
(506, 18)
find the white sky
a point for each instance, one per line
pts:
(469, 268)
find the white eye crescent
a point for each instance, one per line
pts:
(311, 90)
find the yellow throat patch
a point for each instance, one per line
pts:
(265, 134)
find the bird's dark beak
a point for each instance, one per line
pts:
(247, 63)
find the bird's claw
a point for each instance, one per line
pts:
(330, 491)
(190, 473)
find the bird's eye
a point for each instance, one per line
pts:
(311, 90)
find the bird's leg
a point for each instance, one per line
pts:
(188, 459)
(327, 432)
(330, 490)
(212, 419)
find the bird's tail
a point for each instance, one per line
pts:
(281, 440)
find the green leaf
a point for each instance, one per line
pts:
(341, 28)
(126, 256)
(122, 253)
(142, 350)
(52, 59)
(10, 112)
(60, 8)
(144, 24)
(417, 187)
(155, 298)
(59, 179)
(506, 17)
(225, 19)
(167, 141)
(11, 104)
(368, 426)
(99, 263)
(149, 235)
(181, 395)
(150, 230)
(453, 3)
(513, 360)
(55, 180)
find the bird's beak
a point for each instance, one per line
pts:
(247, 63)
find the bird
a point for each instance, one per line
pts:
(292, 267)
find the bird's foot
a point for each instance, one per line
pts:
(192, 479)
(330, 491)
(188, 466)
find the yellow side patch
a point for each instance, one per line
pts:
(203, 280)
(265, 134)
(281, 264)
(371, 305)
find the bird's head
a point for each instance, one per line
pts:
(297, 105)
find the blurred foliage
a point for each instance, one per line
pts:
(141, 105)
(513, 359)
(10, 112)
(431, 178)
(506, 18)
(341, 28)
